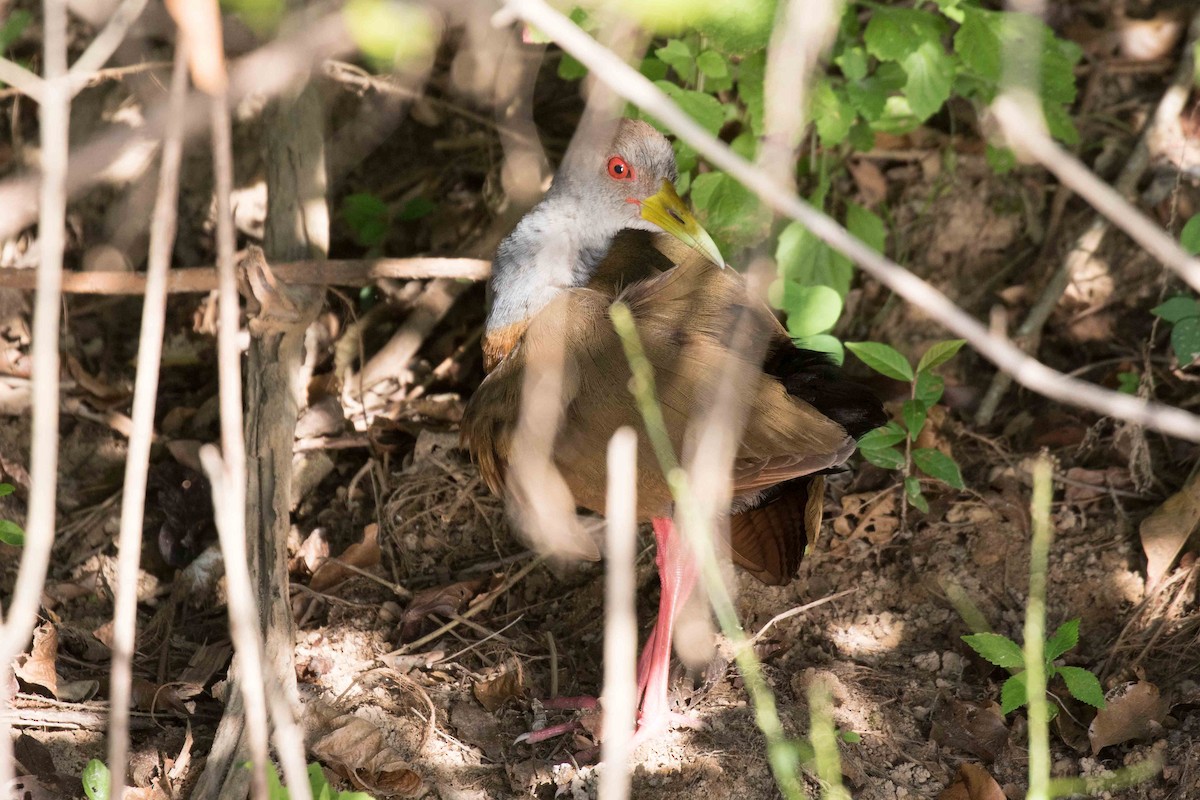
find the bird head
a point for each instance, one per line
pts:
(632, 184)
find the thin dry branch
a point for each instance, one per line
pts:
(1030, 139)
(105, 43)
(39, 539)
(1169, 108)
(268, 71)
(336, 272)
(1028, 371)
(137, 459)
(620, 616)
(25, 82)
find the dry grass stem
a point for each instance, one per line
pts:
(52, 205)
(137, 460)
(620, 616)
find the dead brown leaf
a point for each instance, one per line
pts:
(868, 515)
(33, 757)
(976, 728)
(502, 684)
(441, 600)
(1165, 532)
(871, 183)
(1089, 484)
(358, 751)
(38, 669)
(1132, 711)
(973, 783)
(364, 555)
(313, 552)
(149, 696)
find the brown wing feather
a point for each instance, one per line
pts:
(683, 317)
(769, 541)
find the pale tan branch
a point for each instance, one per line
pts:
(22, 608)
(343, 272)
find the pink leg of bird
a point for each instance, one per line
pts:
(677, 573)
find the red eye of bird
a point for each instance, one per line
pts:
(619, 169)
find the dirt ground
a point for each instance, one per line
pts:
(912, 701)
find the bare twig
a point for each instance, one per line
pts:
(106, 43)
(1169, 108)
(268, 71)
(999, 350)
(137, 459)
(27, 83)
(620, 615)
(39, 533)
(335, 272)
(1032, 141)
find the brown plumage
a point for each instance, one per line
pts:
(684, 308)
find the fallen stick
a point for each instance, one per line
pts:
(334, 272)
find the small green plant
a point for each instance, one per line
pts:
(317, 782)
(1183, 311)
(10, 532)
(96, 780)
(1004, 652)
(880, 445)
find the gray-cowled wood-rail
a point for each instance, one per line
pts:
(613, 227)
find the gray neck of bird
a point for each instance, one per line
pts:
(554, 247)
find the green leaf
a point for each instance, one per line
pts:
(853, 63)
(1185, 340)
(929, 388)
(678, 55)
(824, 343)
(416, 208)
(884, 457)
(571, 69)
(883, 359)
(885, 436)
(11, 533)
(1189, 237)
(1014, 693)
(654, 69)
(1083, 685)
(1177, 308)
(737, 28)
(869, 97)
(730, 212)
(937, 464)
(930, 74)
(389, 34)
(806, 260)
(893, 33)
(999, 650)
(95, 780)
(367, 217)
(939, 354)
(1002, 160)
(712, 64)
(705, 109)
(914, 412)
(850, 737)
(912, 488)
(18, 20)
(750, 88)
(832, 113)
(6, 489)
(977, 42)
(810, 309)
(1128, 382)
(1065, 638)
(866, 225)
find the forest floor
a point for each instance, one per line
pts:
(912, 701)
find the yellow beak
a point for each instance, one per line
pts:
(666, 209)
